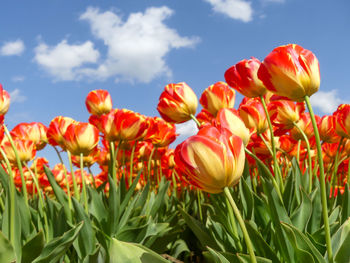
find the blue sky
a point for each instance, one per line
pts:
(52, 53)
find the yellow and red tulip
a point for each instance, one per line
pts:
(216, 97)
(177, 103)
(4, 101)
(56, 130)
(342, 120)
(98, 102)
(212, 159)
(253, 115)
(35, 132)
(290, 71)
(327, 131)
(25, 148)
(243, 78)
(160, 133)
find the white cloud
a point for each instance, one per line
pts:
(64, 60)
(16, 96)
(274, 1)
(136, 48)
(18, 79)
(235, 9)
(186, 129)
(12, 48)
(326, 101)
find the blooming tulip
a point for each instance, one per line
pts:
(25, 149)
(327, 129)
(342, 120)
(290, 71)
(35, 132)
(56, 130)
(98, 102)
(253, 115)
(161, 133)
(4, 101)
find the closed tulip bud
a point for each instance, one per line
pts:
(229, 119)
(284, 113)
(35, 132)
(25, 148)
(56, 130)
(177, 103)
(161, 133)
(253, 115)
(216, 97)
(342, 120)
(327, 129)
(81, 138)
(243, 78)
(290, 71)
(98, 102)
(212, 160)
(4, 101)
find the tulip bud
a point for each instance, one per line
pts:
(243, 78)
(253, 115)
(98, 102)
(177, 103)
(161, 133)
(212, 160)
(216, 97)
(290, 71)
(4, 101)
(342, 123)
(56, 130)
(327, 130)
(35, 132)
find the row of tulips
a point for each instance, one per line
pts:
(269, 138)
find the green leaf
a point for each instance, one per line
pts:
(113, 207)
(199, 230)
(33, 247)
(303, 247)
(302, 214)
(7, 254)
(345, 213)
(120, 251)
(97, 207)
(316, 215)
(247, 199)
(159, 200)
(57, 247)
(341, 243)
(130, 192)
(218, 258)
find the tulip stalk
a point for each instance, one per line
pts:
(149, 163)
(233, 224)
(336, 162)
(273, 146)
(132, 162)
(84, 183)
(75, 186)
(241, 224)
(322, 181)
(195, 120)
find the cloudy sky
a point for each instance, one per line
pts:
(52, 53)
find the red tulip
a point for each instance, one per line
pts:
(98, 102)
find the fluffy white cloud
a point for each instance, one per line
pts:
(235, 9)
(186, 129)
(12, 48)
(136, 48)
(64, 60)
(326, 101)
(16, 96)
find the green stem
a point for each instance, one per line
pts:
(273, 146)
(348, 181)
(174, 181)
(199, 205)
(132, 162)
(322, 181)
(195, 120)
(112, 161)
(149, 164)
(92, 177)
(298, 152)
(242, 225)
(336, 162)
(75, 186)
(266, 144)
(84, 183)
(308, 153)
(233, 224)
(19, 164)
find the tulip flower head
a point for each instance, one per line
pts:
(57, 129)
(216, 97)
(177, 103)
(253, 115)
(342, 120)
(243, 78)
(327, 129)
(161, 133)
(290, 71)
(4, 101)
(212, 159)
(98, 102)
(35, 132)
(25, 148)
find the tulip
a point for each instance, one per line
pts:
(212, 160)
(305, 125)
(177, 103)
(290, 71)
(25, 149)
(229, 119)
(327, 129)
(243, 78)
(253, 115)
(342, 120)
(56, 130)
(81, 138)
(161, 133)
(4, 101)
(35, 132)
(216, 97)
(205, 117)
(98, 102)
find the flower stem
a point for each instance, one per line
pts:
(149, 164)
(242, 225)
(75, 186)
(199, 201)
(195, 120)
(233, 224)
(84, 183)
(322, 181)
(132, 162)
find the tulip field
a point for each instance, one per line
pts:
(264, 181)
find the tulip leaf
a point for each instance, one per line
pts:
(302, 214)
(57, 247)
(345, 213)
(316, 215)
(159, 200)
(303, 247)
(247, 199)
(33, 247)
(7, 253)
(97, 207)
(120, 251)
(213, 256)
(130, 192)
(113, 207)
(341, 243)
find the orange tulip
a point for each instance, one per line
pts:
(212, 160)
(342, 120)
(229, 119)
(243, 78)
(177, 103)
(253, 115)
(4, 101)
(98, 102)
(25, 148)
(205, 117)
(290, 71)
(81, 138)
(161, 133)
(305, 125)
(327, 129)
(216, 97)
(35, 131)
(56, 130)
